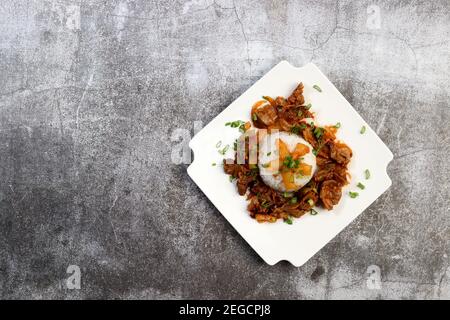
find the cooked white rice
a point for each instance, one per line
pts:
(269, 152)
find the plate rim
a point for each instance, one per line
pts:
(277, 258)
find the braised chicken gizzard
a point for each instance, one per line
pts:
(332, 158)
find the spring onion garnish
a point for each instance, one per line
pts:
(288, 220)
(269, 153)
(254, 117)
(218, 144)
(265, 204)
(287, 194)
(316, 151)
(317, 88)
(310, 202)
(318, 132)
(290, 163)
(235, 124)
(266, 165)
(338, 125)
(361, 186)
(214, 164)
(224, 150)
(293, 200)
(295, 129)
(367, 174)
(353, 194)
(313, 212)
(232, 178)
(363, 129)
(308, 106)
(235, 145)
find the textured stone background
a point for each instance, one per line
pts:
(91, 92)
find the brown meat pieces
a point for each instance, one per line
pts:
(263, 200)
(281, 102)
(293, 114)
(281, 113)
(308, 135)
(242, 173)
(296, 98)
(325, 189)
(332, 174)
(331, 171)
(340, 152)
(267, 114)
(330, 193)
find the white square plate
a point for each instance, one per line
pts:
(298, 242)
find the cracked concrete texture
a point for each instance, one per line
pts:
(91, 92)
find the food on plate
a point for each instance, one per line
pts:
(286, 163)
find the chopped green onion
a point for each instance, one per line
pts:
(254, 171)
(338, 125)
(313, 212)
(254, 117)
(361, 186)
(310, 202)
(218, 144)
(267, 98)
(353, 194)
(269, 153)
(308, 106)
(290, 163)
(293, 200)
(266, 165)
(265, 204)
(318, 132)
(214, 164)
(367, 174)
(295, 129)
(224, 150)
(287, 194)
(316, 151)
(231, 178)
(235, 124)
(317, 88)
(363, 129)
(288, 220)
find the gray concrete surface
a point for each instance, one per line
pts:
(91, 92)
